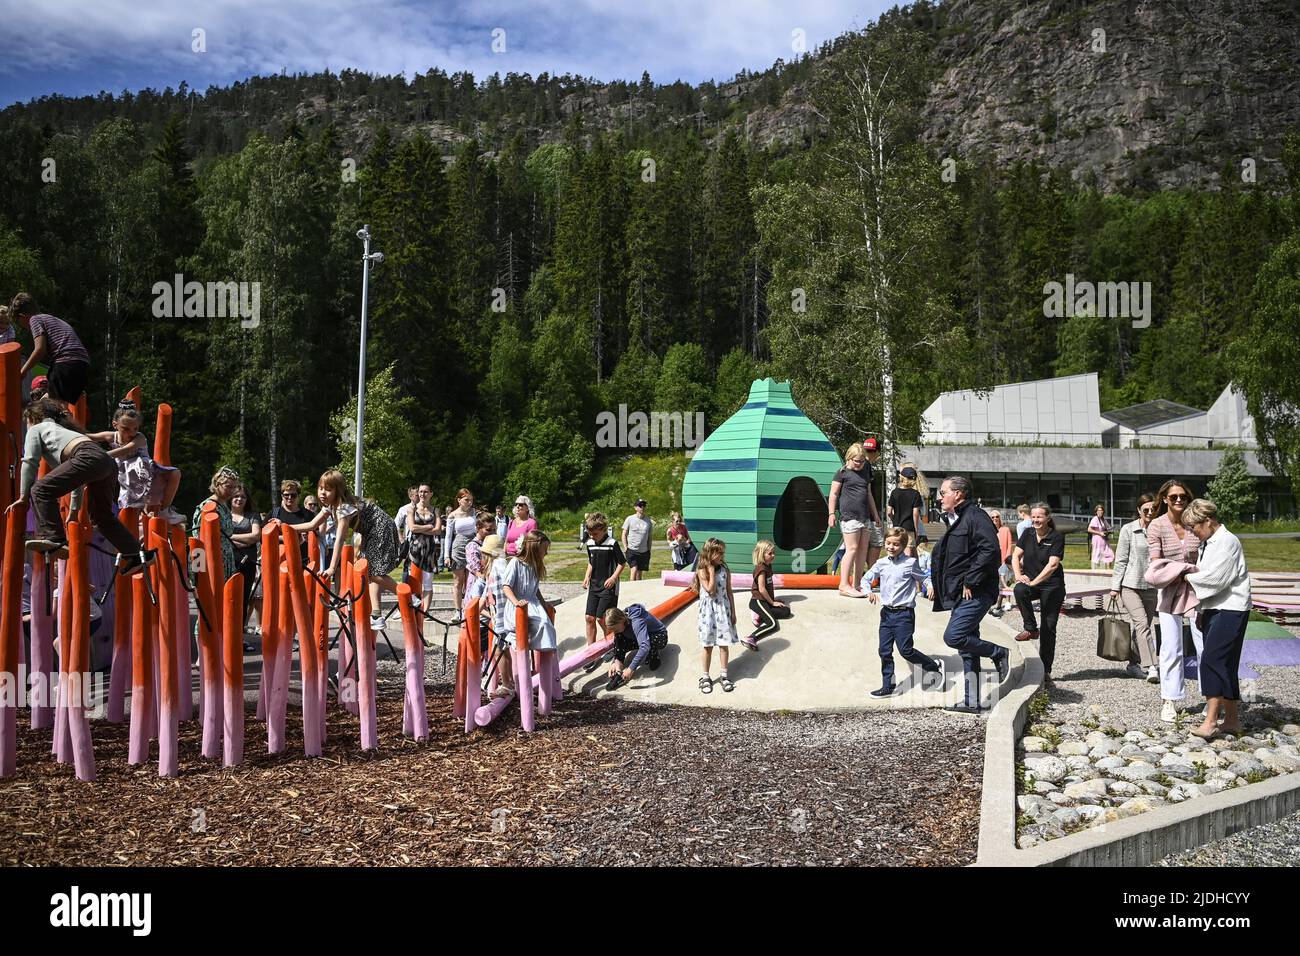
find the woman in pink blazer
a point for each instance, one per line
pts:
(1168, 539)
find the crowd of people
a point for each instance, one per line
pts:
(1179, 575)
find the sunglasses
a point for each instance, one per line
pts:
(1147, 511)
(290, 494)
(1178, 497)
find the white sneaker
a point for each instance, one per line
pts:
(1169, 712)
(1153, 674)
(172, 516)
(415, 602)
(378, 624)
(1135, 670)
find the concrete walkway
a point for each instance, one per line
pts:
(824, 658)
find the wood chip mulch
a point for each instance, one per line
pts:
(601, 783)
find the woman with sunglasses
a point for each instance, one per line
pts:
(1167, 538)
(1129, 588)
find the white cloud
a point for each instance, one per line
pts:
(691, 39)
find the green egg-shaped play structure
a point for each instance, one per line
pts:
(764, 473)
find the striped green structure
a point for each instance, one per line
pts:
(764, 473)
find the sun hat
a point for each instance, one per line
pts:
(491, 545)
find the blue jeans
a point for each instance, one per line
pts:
(897, 625)
(963, 635)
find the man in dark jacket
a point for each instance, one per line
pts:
(964, 573)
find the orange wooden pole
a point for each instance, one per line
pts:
(211, 585)
(415, 713)
(162, 437)
(62, 743)
(11, 688)
(142, 702)
(348, 697)
(306, 645)
(270, 611)
(83, 748)
(365, 657)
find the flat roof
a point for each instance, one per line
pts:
(1161, 411)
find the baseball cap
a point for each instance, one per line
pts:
(40, 381)
(640, 503)
(908, 472)
(870, 444)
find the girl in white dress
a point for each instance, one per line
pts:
(717, 614)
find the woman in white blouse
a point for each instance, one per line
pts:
(1222, 587)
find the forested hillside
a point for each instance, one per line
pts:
(554, 247)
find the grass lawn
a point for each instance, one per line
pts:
(1262, 554)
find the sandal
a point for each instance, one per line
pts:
(726, 683)
(706, 685)
(503, 691)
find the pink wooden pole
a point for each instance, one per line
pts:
(523, 671)
(120, 675)
(365, 657)
(42, 700)
(62, 743)
(83, 747)
(415, 716)
(168, 710)
(181, 628)
(279, 703)
(232, 683)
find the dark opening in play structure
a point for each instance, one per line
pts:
(800, 519)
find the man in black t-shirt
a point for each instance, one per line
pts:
(290, 511)
(1038, 564)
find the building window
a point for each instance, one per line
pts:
(1022, 490)
(1057, 491)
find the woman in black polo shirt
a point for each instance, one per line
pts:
(1038, 565)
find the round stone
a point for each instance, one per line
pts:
(1111, 762)
(1072, 748)
(1086, 788)
(1122, 788)
(1066, 817)
(1034, 745)
(1050, 769)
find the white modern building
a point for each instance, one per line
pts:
(1049, 441)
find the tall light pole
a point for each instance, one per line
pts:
(367, 257)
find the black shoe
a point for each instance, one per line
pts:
(653, 661)
(996, 612)
(963, 709)
(588, 668)
(615, 682)
(1002, 659)
(886, 691)
(128, 564)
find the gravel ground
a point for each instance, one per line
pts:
(1082, 679)
(602, 782)
(1273, 844)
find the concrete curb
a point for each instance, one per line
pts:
(1133, 841)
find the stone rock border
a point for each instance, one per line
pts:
(1131, 841)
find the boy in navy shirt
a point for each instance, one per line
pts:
(648, 637)
(898, 577)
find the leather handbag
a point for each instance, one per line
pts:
(1114, 634)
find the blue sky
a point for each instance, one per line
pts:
(78, 48)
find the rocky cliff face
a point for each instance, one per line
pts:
(1158, 93)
